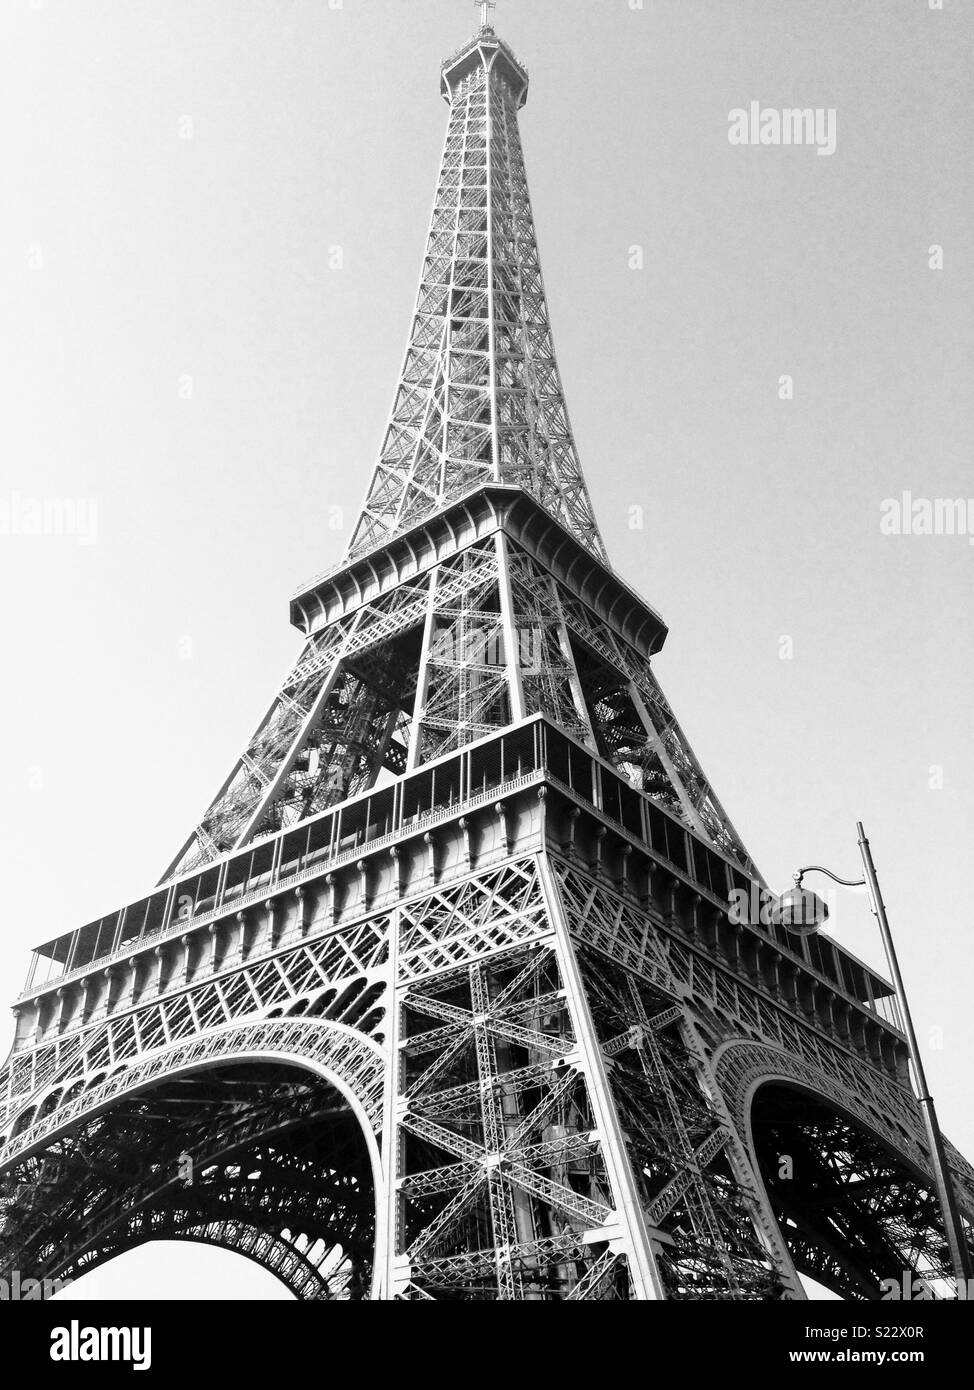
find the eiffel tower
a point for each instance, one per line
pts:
(443, 998)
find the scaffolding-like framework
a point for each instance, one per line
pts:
(443, 999)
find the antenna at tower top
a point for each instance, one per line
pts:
(485, 7)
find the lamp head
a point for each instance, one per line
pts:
(799, 910)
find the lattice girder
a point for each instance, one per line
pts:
(550, 1112)
(442, 997)
(487, 637)
(480, 397)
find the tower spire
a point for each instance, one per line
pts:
(480, 398)
(485, 7)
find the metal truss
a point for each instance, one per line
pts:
(479, 397)
(512, 1086)
(463, 680)
(855, 1215)
(548, 673)
(703, 1220)
(240, 1157)
(443, 1043)
(514, 1062)
(487, 638)
(638, 730)
(750, 1038)
(803, 1061)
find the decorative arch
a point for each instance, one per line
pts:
(742, 1066)
(236, 1100)
(844, 1170)
(272, 1252)
(348, 1060)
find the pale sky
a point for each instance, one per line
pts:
(177, 353)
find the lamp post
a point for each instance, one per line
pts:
(812, 912)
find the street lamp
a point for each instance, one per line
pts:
(802, 911)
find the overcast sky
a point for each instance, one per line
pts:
(178, 355)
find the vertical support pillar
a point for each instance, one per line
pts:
(646, 1281)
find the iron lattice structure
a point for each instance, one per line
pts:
(442, 999)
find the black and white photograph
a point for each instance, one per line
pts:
(488, 767)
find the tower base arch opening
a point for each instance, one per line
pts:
(858, 1218)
